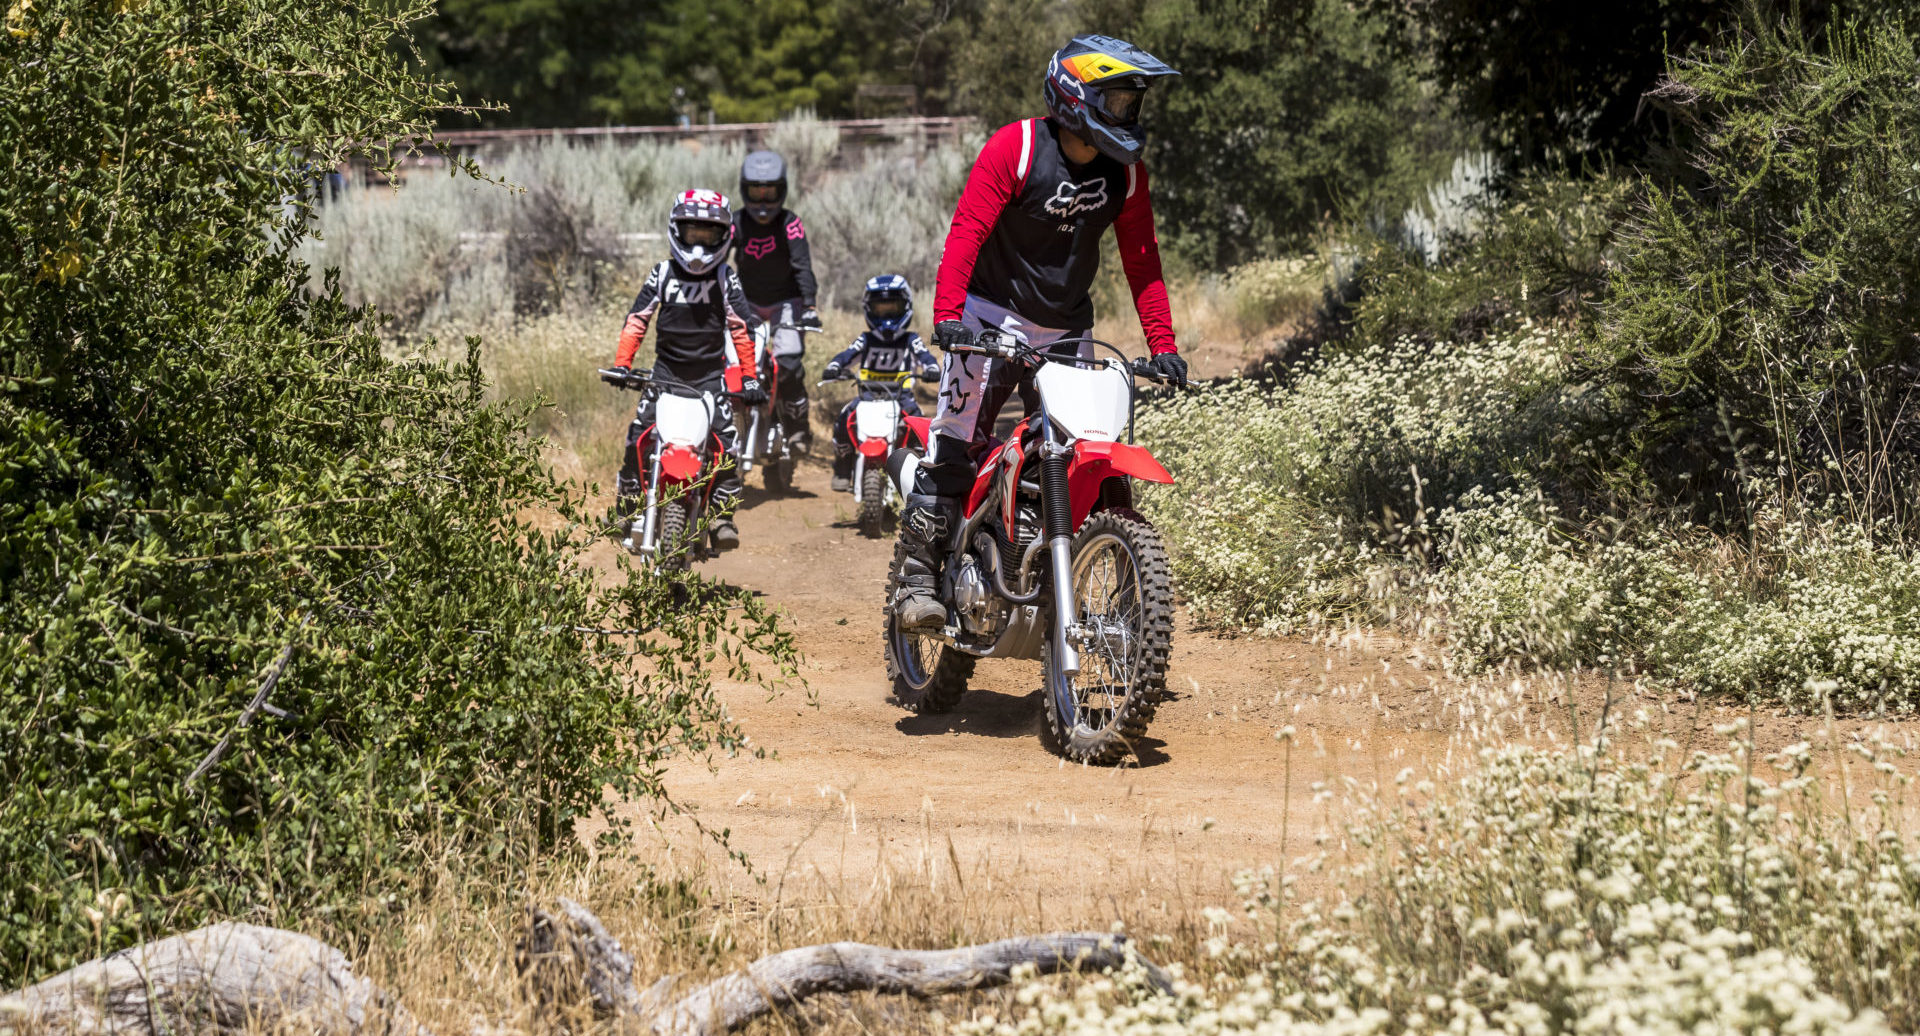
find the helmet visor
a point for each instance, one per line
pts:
(763, 192)
(1123, 103)
(701, 234)
(887, 307)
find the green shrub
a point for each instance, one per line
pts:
(1763, 307)
(212, 480)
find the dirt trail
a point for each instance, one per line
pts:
(857, 786)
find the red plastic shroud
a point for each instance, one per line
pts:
(921, 428)
(1092, 464)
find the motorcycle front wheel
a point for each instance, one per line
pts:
(873, 501)
(1123, 590)
(677, 532)
(928, 676)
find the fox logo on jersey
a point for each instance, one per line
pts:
(1073, 198)
(688, 293)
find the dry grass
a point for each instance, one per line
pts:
(681, 907)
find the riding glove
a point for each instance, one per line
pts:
(1171, 367)
(949, 333)
(751, 393)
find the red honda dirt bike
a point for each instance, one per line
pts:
(1051, 561)
(764, 438)
(877, 426)
(678, 454)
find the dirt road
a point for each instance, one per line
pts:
(857, 788)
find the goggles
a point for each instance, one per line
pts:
(1123, 103)
(701, 234)
(887, 309)
(763, 192)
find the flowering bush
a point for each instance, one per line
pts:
(1306, 488)
(1564, 892)
(1412, 485)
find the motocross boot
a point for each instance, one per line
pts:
(725, 535)
(842, 468)
(925, 523)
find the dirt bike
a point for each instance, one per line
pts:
(765, 441)
(1051, 561)
(877, 427)
(679, 453)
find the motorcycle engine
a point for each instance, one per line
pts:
(981, 610)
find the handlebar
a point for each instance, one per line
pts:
(635, 381)
(998, 344)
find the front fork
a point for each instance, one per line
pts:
(753, 441)
(649, 526)
(1054, 456)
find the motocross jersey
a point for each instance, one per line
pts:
(776, 264)
(901, 353)
(701, 324)
(1026, 235)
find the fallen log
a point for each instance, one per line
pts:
(238, 978)
(225, 978)
(576, 941)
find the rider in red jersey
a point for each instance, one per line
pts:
(1021, 254)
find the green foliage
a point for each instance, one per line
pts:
(1539, 253)
(210, 476)
(1289, 113)
(1763, 308)
(586, 62)
(1562, 83)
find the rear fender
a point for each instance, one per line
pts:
(1095, 462)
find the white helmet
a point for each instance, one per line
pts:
(700, 230)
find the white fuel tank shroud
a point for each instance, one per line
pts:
(683, 421)
(876, 419)
(1088, 404)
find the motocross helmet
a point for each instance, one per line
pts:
(700, 230)
(888, 302)
(1095, 86)
(763, 185)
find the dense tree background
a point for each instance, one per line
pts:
(1290, 112)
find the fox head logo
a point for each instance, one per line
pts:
(1071, 198)
(758, 247)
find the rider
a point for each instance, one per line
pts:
(1021, 255)
(885, 347)
(776, 269)
(695, 300)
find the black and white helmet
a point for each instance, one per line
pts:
(700, 230)
(888, 302)
(763, 184)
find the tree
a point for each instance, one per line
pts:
(1289, 112)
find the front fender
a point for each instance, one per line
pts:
(679, 464)
(1095, 462)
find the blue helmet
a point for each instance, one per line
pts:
(888, 302)
(1094, 88)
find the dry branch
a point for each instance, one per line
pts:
(578, 944)
(236, 978)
